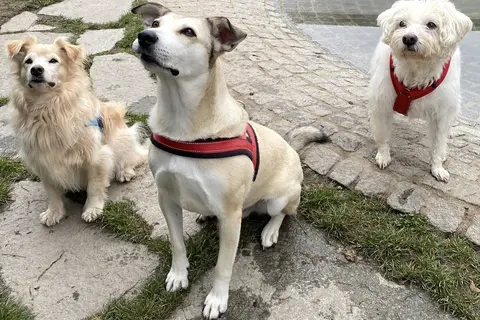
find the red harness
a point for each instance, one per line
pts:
(246, 144)
(406, 96)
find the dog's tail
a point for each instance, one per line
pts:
(300, 137)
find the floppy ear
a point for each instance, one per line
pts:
(385, 22)
(19, 47)
(456, 28)
(226, 36)
(73, 52)
(150, 11)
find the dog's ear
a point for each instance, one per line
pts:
(226, 36)
(16, 48)
(73, 52)
(456, 27)
(385, 22)
(150, 11)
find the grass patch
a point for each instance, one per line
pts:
(3, 101)
(10, 309)
(11, 171)
(132, 118)
(153, 302)
(405, 247)
(131, 22)
(11, 8)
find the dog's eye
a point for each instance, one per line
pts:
(402, 24)
(155, 24)
(431, 25)
(28, 61)
(53, 60)
(188, 32)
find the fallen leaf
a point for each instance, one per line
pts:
(350, 255)
(473, 287)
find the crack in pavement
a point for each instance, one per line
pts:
(51, 265)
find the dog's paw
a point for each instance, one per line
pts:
(440, 174)
(51, 217)
(383, 159)
(126, 175)
(177, 280)
(215, 305)
(91, 214)
(269, 235)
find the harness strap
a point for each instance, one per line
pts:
(246, 144)
(406, 96)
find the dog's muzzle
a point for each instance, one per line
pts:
(147, 38)
(143, 45)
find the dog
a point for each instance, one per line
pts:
(201, 136)
(416, 71)
(70, 139)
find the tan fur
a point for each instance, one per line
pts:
(56, 142)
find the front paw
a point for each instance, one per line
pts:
(215, 304)
(92, 214)
(51, 217)
(177, 280)
(440, 173)
(383, 159)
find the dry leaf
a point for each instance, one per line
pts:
(473, 287)
(350, 255)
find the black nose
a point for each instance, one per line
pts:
(147, 38)
(410, 40)
(36, 71)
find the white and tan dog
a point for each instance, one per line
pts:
(68, 137)
(194, 104)
(422, 36)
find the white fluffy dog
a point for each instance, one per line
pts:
(418, 57)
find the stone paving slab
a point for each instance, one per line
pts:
(97, 41)
(20, 22)
(70, 270)
(98, 11)
(304, 277)
(121, 77)
(6, 83)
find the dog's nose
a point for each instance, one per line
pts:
(37, 71)
(410, 40)
(147, 38)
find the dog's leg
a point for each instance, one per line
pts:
(99, 174)
(56, 209)
(439, 130)
(177, 278)
(217, 300)
(381, 124)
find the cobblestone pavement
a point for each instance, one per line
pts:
(286, 80)
(352, 12)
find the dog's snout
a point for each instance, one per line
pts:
(37, 71)
(410, 39)
(147, 38)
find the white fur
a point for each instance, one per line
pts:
(418, 66)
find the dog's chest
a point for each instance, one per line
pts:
(185, 182)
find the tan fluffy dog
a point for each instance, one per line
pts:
(68, 137)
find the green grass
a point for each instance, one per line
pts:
(132, 24)
(11, 8)
(153, 302)
(404, 247)
(3, 101)
(11, 171)
(10, 309)
(132, 118)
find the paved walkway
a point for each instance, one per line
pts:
(286, 80)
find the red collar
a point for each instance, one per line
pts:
(246, 144)
(406, 96)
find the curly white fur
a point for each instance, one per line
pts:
(436, 28)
